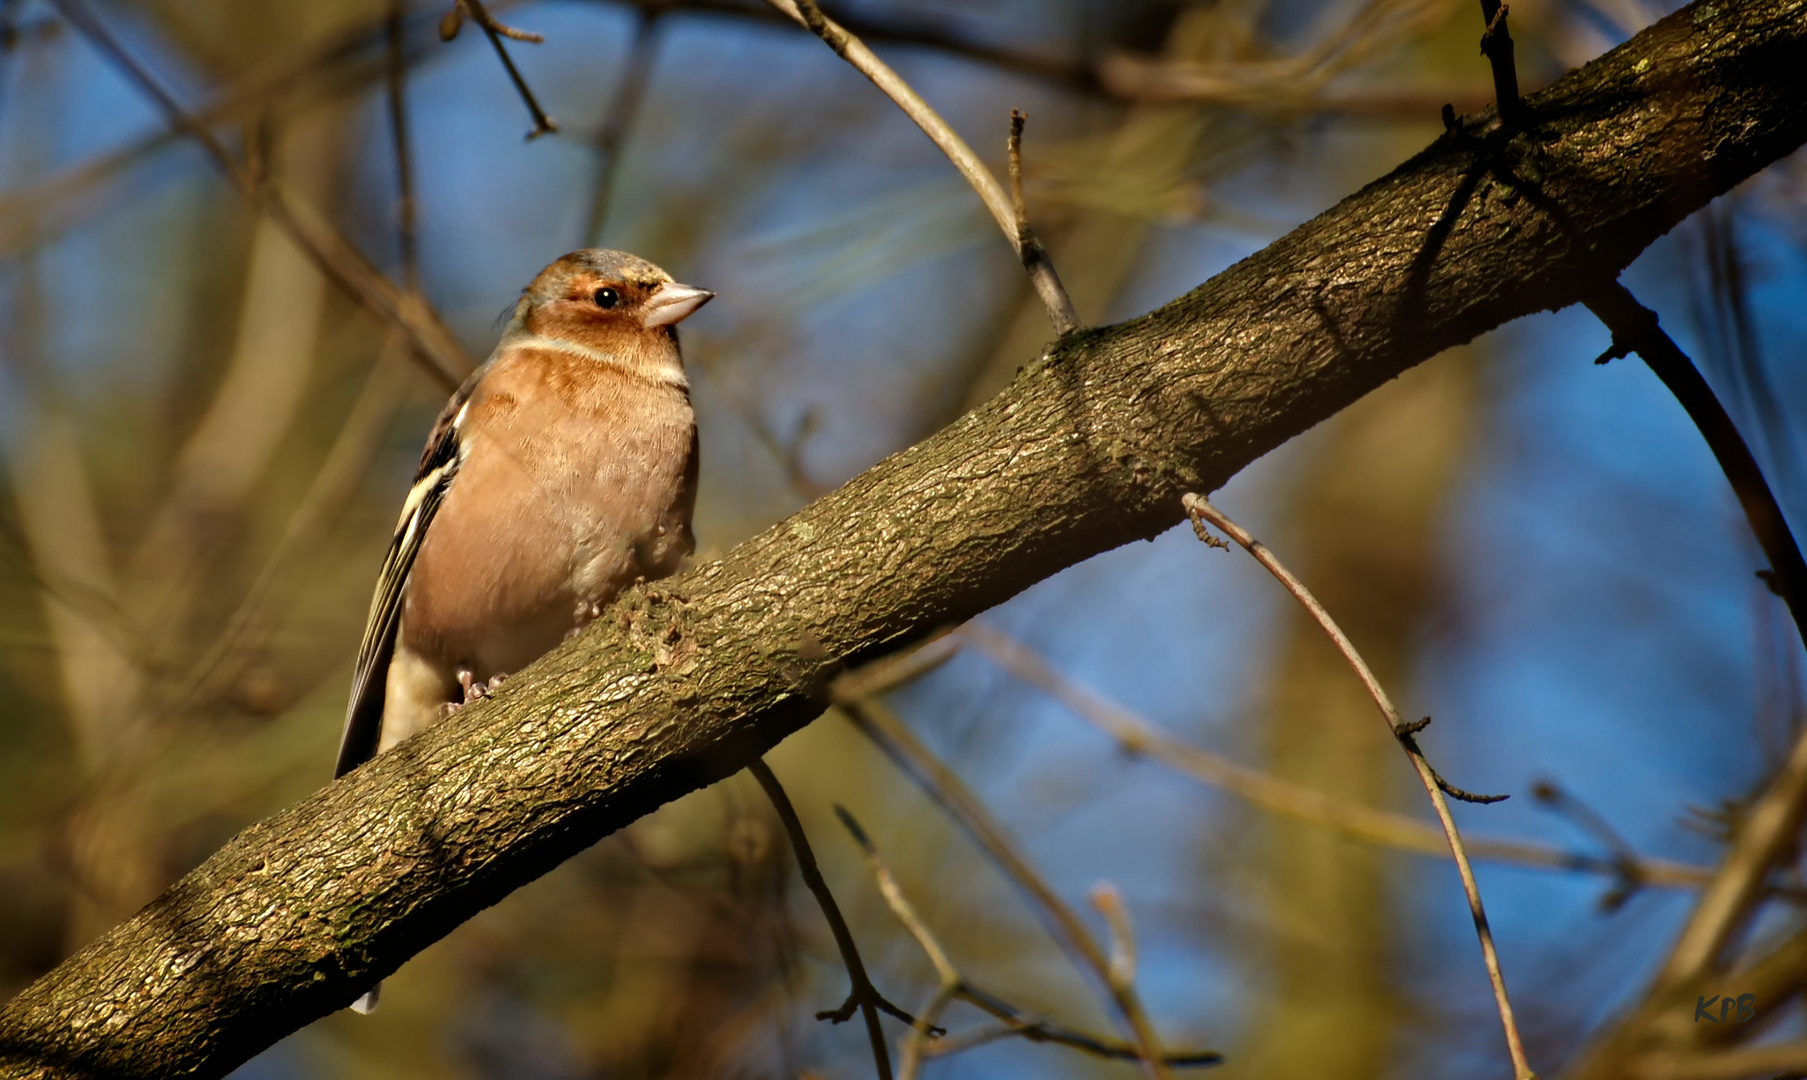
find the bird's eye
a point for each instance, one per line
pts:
(607, 298)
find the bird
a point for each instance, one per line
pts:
(562, 471)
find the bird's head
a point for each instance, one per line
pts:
(604, 299)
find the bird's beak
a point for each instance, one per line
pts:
(672, 303)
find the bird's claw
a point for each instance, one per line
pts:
(474, 688)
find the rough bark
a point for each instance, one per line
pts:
(1091, 447)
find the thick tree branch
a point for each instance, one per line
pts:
(688, 681)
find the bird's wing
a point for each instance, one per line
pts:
(438, 465)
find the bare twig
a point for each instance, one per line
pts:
(910, 1059)
(863, 996)
(1496, 45)
(1635, 328)
(476, 12)
(1136, 735)
(1014, 1024)
(1200, 510)
(1035, 257)
(431, 343)
(496, 30)
(954, 985)
(941, 784)
(991, 193)
(339, 66)
(892, 671)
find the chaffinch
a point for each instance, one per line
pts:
(560, 472)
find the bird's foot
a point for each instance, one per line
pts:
(474, 688)
(586, 613)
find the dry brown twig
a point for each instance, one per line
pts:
(1109, 902)
(496, 30)
(955, 986)
(1200, 510)
(453, 21)
(1035, 257)
(1004, 210)
(863, 996)
(940, 783)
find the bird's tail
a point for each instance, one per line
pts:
(366, 1005)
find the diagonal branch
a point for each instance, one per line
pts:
(692, 678)
(1635, 328)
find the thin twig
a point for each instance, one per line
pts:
(339, 67)
(1496, 46)
(1200, 510)
(1035, 257)
(431, 343)
(1635, 328)
(1016, 1024)
(953, 985)
(477, 13)
(991, 193)
(910, 1057)
(1135, 734)
(786, 450)
(496, 31)
(863, 996)
(940, 783)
